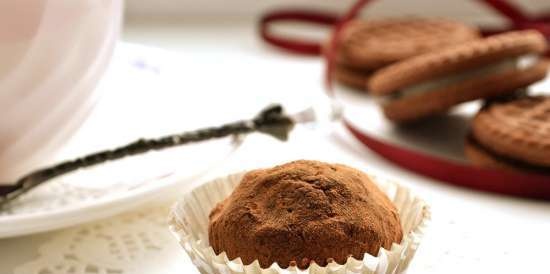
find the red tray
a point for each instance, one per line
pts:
(434, 148)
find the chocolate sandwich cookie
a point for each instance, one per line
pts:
(372, 44)
(436, 81)
(513, 135)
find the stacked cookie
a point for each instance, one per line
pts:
(366, 46)
(418, 77)
(434, 82)
(417, 68)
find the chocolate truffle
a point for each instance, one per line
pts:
(301, 212)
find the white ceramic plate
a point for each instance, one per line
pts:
(134, 85)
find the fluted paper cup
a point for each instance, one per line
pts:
(189, 222)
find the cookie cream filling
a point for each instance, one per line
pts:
(517, 63)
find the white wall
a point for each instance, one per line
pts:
(468, 10)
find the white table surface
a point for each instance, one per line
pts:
(231, 74)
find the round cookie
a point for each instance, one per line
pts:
(434, 82)
(354, 78)
(481, 157)
(514, 134)
(372, 44)
(301, 212)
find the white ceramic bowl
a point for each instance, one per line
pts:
(54, 53)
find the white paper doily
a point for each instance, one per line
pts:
(121, 245)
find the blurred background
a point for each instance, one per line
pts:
(145, 18)
(469, 11)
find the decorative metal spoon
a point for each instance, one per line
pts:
(272, 121)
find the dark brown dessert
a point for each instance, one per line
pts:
(301, 212)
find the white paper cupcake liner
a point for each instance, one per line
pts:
(189, 222)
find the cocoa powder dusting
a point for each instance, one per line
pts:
(301, 212)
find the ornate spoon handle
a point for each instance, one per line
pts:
(272, 121)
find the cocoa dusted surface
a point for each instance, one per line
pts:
(301, 212)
